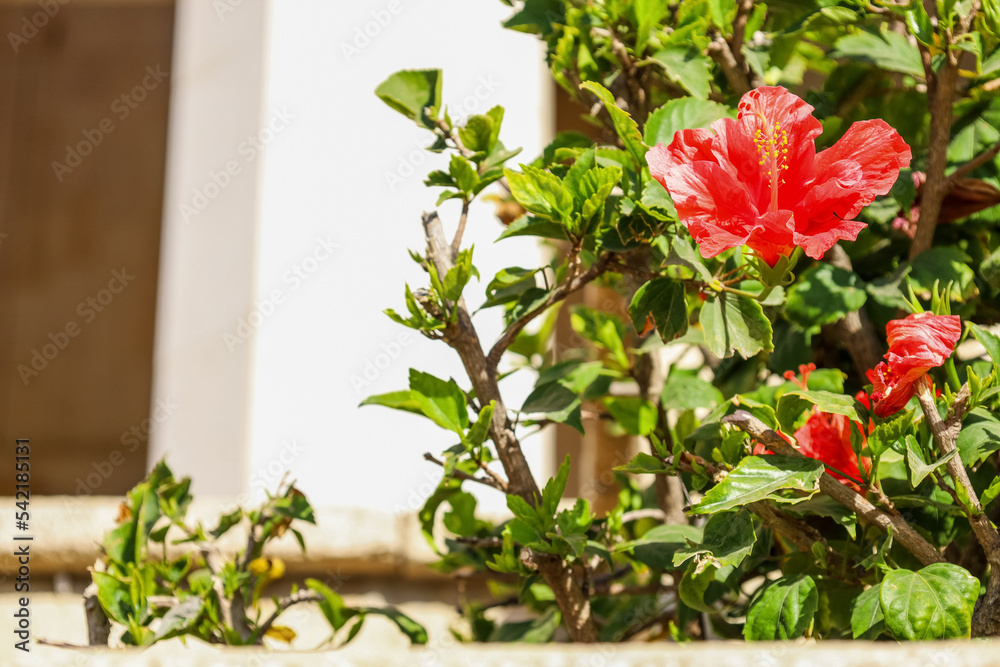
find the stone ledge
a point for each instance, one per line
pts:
(67, 531)
(714, 654)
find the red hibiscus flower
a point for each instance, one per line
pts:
(758, 180)
(827, 438)
(916, 344)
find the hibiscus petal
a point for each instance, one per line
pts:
(687, 146)
(879, 152)
(770, 107)
(736, 152)
(890, 392)
(773, 238)
(827, 438)
(921, 341)
(715, 208)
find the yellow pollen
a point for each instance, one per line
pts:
(771, 144)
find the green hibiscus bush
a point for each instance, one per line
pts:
(804, 193)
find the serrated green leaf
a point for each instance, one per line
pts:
(729, 538)
(734, 323)
(688, 67)
(934, 602)
(793, 403)
(759, 478)
(663, 299)
(625, 126)
(683, 113)
(784, 610)
(867, 620)
(824, 294)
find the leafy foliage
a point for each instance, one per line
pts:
(781, 555)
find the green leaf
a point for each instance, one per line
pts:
(463, 173)
(824, 294)
(684, 391)
(398, 400)
(541, 193)
(694, 585)
(643, 463)
(442, 402)
(634, 414)
(625, 127)
(415, 632)
(554, 489)
(943, 264)
(784, 610)
(979, 437)
(734, 323)
(539, 630)
(889, 433)
(688, 67)
(412, 92)
(114, 597)
(793, 403)
(919, 468)
(729, 538)
(595, 187)
(529, 225)
(867, 620)
(934, 602)
(888, 50)
(991, 493)
(648, 14)
(657, 546)
(478, 133)
(683, 113)
(458, 276)
(987, 339)
(663, 298)
(758, 478)
(180, 618)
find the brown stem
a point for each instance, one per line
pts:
(986, 617)
(456, 243)
(98, 625)
(493, 481)
(719, 51)
(974, 163)
(561, 291)
(283, 605)
(941, 88)
(463, 338)
(902, 532)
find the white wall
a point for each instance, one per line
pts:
(346, 170)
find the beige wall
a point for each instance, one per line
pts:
(68, 232)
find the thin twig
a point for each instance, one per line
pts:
(456, 242)
(974, 163)
(283, 605)
(561, 291)
(946, 436)
(901, 530)
(492, 481)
